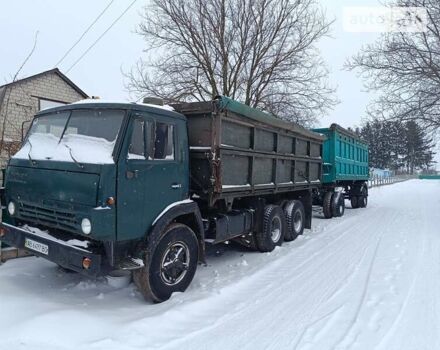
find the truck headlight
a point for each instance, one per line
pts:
(11, 208)
(86, 226)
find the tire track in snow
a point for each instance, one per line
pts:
(391, 330)
(361, 303)
(422, 252)
(391, 225)
(331, 285)
(384, 216)
(244, 287)
(353, 276)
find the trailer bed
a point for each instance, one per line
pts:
(345, 156)
(238, 151)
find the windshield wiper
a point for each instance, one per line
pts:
(73, 158)
(33, 162)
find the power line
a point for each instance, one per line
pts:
(84, 33)
(100, 37)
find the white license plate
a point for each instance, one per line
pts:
(36, 246)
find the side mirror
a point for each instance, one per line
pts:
(24, 128)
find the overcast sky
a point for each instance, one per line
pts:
(60, 23)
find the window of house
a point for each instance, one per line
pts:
(44, 104)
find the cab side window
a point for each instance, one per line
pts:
(136, 149)
(163, 142)
(151, 140)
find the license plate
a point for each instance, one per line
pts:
(36, 246)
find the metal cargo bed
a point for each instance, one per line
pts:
(238, 151)
(345, 156)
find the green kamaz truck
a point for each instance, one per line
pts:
(102, 186)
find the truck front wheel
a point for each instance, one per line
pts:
(274, 228)
(172, 265)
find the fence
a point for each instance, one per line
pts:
(375, 181)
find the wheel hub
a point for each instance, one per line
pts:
(276, 229)
(174, 264)
(297, 221)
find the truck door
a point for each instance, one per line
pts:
(151, 173)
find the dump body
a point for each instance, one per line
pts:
(238, 151)
(345, 156)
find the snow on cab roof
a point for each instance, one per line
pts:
(97, 101)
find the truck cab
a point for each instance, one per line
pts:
(93, 179)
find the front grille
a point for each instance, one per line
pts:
(52, 217)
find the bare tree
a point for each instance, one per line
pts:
(11, 147)
(405, 69)
(260, 52)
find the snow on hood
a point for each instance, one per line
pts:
(85, 149)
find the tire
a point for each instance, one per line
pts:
(327, 205)
(354, 202)
(295, 220)
(274, 228)
(363, 201)
(338, 204)
(363, 198)
(172, 265)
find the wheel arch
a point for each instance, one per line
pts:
(185, 213)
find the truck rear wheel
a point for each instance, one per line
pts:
(338, 204)
(172, 265)
(295, 219)
(274, 228)
(327, 205)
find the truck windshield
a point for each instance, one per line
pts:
(83, 136)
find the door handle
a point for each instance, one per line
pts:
(176, 186)
(132, 174)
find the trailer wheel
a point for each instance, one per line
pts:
(295, 219)
(274, 228)
(363, 198)
(354, 202)
(338, 204)
(172, 265)
(327, 205)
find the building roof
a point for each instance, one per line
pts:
(54, 70)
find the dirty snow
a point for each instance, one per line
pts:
(369, 280)
(47, 147)
(45, 234)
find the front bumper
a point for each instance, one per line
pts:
(60, 252)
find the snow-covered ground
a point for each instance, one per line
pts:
(369, 280)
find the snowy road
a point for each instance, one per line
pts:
(369, 280)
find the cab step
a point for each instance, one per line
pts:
(131, 264)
